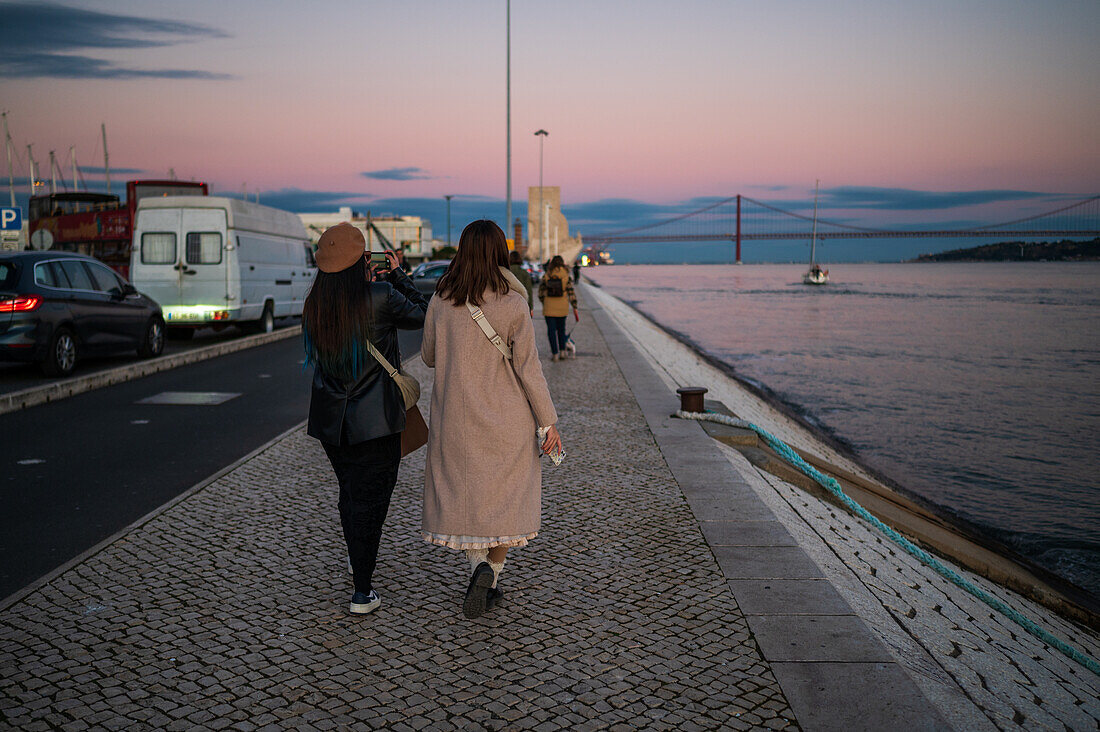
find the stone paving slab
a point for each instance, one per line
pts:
(789, 597)
(228, 609)
(839, 709)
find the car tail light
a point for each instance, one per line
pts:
(21, 304)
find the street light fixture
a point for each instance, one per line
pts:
(449, 218)
(542, 135)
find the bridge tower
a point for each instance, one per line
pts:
(738, 228)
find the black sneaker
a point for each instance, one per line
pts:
(481, 581)
(363, 604)
(492, 598)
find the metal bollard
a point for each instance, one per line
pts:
(691, 398)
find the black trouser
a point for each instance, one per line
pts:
(555, 328)
(367, 473)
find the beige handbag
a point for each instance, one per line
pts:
(415, 434)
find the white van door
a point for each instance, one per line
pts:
(203, 266)
(154, 265)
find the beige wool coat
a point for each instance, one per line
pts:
(482, 476)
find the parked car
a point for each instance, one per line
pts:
(535, 270)
(426, 276)
(58, 307)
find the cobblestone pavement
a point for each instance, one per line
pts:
(228, 610)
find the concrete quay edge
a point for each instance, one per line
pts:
(35, 395)
(836, 673)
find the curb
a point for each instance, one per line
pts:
(88, 553)
(24, 398)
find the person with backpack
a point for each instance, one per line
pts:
(557, 296)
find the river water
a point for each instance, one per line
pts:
(973, 386)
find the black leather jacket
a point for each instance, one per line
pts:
(343, 413)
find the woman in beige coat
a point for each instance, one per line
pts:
(482, 478)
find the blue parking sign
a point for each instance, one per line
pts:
(12, 218)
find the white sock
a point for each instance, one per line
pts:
(476, 557)
(498, 567)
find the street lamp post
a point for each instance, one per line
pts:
(508, 105)
(449, 218)
(542, 135)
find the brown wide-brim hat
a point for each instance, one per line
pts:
(340, 247)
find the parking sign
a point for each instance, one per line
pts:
(12, 218)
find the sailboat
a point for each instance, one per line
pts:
(816, 275)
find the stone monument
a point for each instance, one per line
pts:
(547, 230)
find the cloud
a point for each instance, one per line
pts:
(397, 174)
(904, 199)
(40, 38)
(305, 201)
(100, 170)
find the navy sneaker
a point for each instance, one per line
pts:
(477, 593)
(362, 603)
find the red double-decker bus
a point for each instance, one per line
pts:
(98, 223)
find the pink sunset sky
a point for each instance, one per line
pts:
(658, 103)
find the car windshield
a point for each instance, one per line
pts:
(9, 275)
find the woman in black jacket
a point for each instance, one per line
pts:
(356, 409)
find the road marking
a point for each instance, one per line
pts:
(139, 421)
(199, 398)
(31, 461)
(265, 376)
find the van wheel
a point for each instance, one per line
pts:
(180, 334)
(265, 324)
(152, 344)
(61, 354)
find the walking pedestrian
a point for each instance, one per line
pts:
(482, 478)
(576, 271)
(557, 296)
(356, 409)
(515, 265)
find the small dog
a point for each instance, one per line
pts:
(570, 348)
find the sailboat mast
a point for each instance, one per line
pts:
(813, 236)
(34, 170)
(106, 161)
(7, 147)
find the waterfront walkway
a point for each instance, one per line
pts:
(227, 609)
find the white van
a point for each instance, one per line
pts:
(212, 261)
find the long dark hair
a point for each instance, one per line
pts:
(482, 250)
(336, 321)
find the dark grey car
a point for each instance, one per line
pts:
(56, 307)
(426, 276)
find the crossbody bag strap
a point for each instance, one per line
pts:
(487, 329)
(381, 359)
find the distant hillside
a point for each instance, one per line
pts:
(1018, 251)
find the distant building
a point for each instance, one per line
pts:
(410, 234)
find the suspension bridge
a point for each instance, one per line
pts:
(740, 218)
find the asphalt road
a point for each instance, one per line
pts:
(16, 376)
(78, 470)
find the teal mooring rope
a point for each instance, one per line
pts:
(829, 483)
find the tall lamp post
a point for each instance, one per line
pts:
(542, 135)
(508, 105)
(449, 218)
